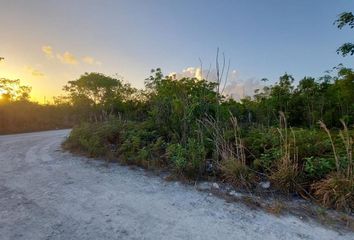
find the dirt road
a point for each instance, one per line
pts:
(46, 193)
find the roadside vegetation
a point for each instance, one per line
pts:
(296, 135)
(19, 114)
(299, 138)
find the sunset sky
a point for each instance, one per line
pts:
(47, 43)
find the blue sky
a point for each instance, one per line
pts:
(262, 38)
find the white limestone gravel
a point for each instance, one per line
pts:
(46, 193)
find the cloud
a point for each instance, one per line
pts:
(34, 72)
(189, 72)
(195, 72)
(67, 58)
(91, 61)
(240, 88)
(48, 51)
(235, 87)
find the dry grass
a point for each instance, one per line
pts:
(231, 157)
(335, 191)
(285, 178)
(324, 127)
(275, 208)
(226, 150)
(348, 143)
(236, 173)
(286, 172)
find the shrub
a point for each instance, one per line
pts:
(267, 159)
(152, 155)
(95, 139)
(82, 138)
(177, 154)
(260, 141)
(318, 167)
(92, 145)
(195, 158)
(188, 161)
(143, 157)
(312, 143)
(141, 145)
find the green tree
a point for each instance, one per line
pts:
(98, 95)
(281, 93)
(177, 105)
(345, 19)
(308, 92)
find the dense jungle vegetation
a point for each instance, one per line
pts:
(296, 134)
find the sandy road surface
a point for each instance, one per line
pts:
(49, 194)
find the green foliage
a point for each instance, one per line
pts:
(177, 153)
(96, 96)
(345, 49)
(318, 167)
(267, 159)
(95, 139)
(133, 140)
(345, 19)
(187, 127)
(176, 106)
(196, 155)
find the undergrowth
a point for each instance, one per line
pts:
(279, 156)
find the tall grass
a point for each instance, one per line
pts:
(285, 175)
(231, 156)
(348, 143)
(337, 189)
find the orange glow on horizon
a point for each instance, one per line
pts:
(39, 93)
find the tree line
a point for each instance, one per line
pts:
(298, 135)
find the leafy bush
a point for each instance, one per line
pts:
(261, 141)
(196, 154)
(95, 139)
(267, 159)
(318, 167)
(177, 153)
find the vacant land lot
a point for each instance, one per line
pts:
(49, 194)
